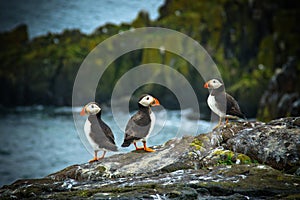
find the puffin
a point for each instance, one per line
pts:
(97, 132)
(216, 99)
(141, 123)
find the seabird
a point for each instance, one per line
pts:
(141, 123)
(98, 134)
(216, 101)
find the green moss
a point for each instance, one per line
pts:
(85, 193)
(197, 144)
(225, 157)
(244, 159)
(229, 157)
(101, 169)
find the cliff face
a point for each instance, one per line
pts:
(282, 97)
(236, 161)
(248, 40)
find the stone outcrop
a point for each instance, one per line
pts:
(282, 97)
(239, 160)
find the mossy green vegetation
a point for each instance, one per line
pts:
(202, 152)
(247, 39)
(101, 169)
(197, 144)
(225, 157)
(228, 157)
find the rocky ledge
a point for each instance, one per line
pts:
(240, 160)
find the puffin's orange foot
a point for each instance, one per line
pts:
(147, 149)
(93, 160)
(138, 148)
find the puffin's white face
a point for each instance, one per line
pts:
(213, 84)
(149, 100)
(90, 109)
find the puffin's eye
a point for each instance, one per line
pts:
(147, 98)
(214, 81)
(92, 106)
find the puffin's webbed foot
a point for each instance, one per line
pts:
(147, 149)
(95, 159)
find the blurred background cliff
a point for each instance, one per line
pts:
(254, 43)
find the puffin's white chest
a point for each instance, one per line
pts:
(213, 105)
(152, 123)
(87, 131)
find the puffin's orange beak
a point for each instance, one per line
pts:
(206, 85)
(82, 113)
(155, 102)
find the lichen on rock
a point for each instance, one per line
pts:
(276, 143)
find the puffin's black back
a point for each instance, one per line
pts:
(98, 129)
(138, 126)
(233, 107)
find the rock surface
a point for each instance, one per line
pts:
(276, 143)
(240, 160)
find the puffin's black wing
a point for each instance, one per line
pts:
(107, 131)
(233, 107)
(102, 134)
(137, 128)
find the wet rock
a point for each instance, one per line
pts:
(222, 164)
(220, 182)
(169, 157)
(276, 143)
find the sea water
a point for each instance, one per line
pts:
(37, 141)
(43, 16)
